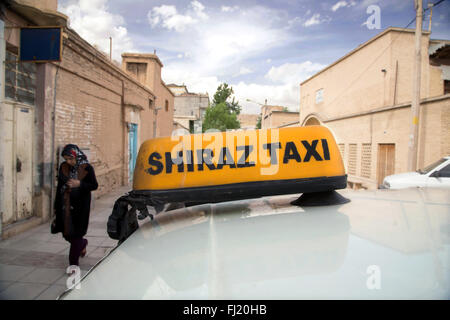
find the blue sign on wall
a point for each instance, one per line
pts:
(40, 44)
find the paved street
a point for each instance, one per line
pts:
(33, 264)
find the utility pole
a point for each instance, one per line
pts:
(430, 6)
(415, 103)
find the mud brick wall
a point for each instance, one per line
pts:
(89, 112)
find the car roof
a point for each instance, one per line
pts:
(267, 248)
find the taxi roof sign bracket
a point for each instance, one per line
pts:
(325, 198)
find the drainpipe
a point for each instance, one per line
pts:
(122, 102)
(53, 155)
(2, 98)
(52, 189)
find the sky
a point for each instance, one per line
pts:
(263, 49)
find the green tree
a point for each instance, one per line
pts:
(223, 94)
(258, 123)
(222, 114)
(219, 117)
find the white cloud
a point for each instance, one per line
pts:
(198, 9)
(219, 53)
(340, 4)
(194, 81)
(293, 73)
(169, 18)
(293, 22)
(92, 21)
(243, 71)
(315, 19)
(159, 13)
(285, 91)
(221, 48)
(229, 9)
(287, 95)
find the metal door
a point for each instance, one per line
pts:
(22, 161)
(132, 145)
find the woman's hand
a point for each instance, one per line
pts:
(73, 183)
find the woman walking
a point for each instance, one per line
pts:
(76, 180)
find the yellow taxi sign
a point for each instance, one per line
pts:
(297, 157)
(224, 166)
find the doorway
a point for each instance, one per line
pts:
(20, 201)
(132, 149)
(386, 161)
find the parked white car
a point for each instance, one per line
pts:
(383, 244)
(436, 175)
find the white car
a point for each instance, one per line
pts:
(383, 244)
(436, 175)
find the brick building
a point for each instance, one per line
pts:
(189, 108)
(277, 116)
(83, 99)
(248, 121)
(146, 68)
(365, 99)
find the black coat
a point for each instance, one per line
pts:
(80, 199)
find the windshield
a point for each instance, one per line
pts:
(431, 166)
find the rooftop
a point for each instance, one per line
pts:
(381, 34)
(142, 56)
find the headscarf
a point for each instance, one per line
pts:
(74, 151)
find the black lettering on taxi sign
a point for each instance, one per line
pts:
(291, 153)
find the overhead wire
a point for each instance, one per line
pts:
(382, 52)
(370, 65)
(434, 5)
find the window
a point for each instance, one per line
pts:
(352, 151)
(20, 79)
(366, 160)
(319, 96)
(446, 86)
(167, 105)
(150, 103)
(445, 172)
(431, 166)
(139, 70)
